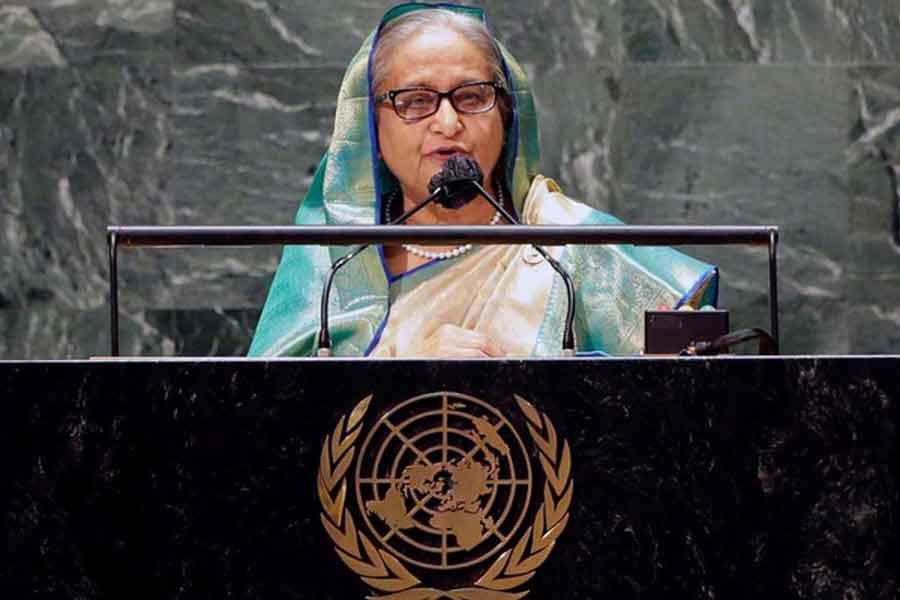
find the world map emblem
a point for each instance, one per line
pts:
(446, 501)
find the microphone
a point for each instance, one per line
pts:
(457, 177)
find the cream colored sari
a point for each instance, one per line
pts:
(501, 291)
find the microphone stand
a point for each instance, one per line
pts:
(568, 342)
(324, 339)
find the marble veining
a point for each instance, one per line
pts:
(25, 42)
(660, 111)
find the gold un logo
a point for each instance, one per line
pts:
(444, 493)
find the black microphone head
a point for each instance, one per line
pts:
(456, 180)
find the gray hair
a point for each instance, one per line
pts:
(404, 27)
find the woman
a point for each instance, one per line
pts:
(430, 83)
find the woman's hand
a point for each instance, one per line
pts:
(452, 341)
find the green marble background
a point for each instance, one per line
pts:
(660, 111)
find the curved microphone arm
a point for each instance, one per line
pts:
(568, 342)
(324, 340)
(323, 347)
(568, 346)
(569, 329)
(500, 208)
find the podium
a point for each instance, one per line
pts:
(571, 478)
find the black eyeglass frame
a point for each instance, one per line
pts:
(392, 96)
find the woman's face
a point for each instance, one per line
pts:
(415, 150)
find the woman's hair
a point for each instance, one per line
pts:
(404, 27)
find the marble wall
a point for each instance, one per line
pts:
(661, 111)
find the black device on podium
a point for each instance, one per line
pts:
(673, 331)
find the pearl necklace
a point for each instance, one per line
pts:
(453, 252)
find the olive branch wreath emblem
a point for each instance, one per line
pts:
(383, 572)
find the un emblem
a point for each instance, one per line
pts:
(443, 484)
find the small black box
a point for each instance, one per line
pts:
(671, 331)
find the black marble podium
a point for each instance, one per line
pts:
(693, 478)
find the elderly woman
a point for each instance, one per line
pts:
(430, 83)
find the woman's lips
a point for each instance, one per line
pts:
(444, 155)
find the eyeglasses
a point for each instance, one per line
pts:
(414, 103)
